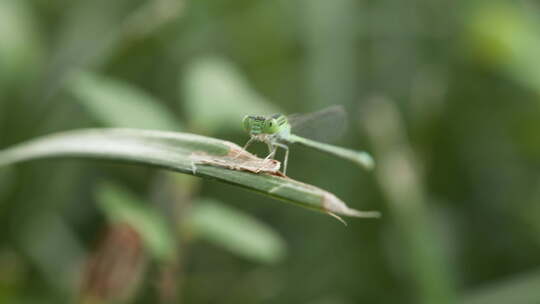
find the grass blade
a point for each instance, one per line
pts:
(122, 206)
(236, 231)
(174, 151)
(117, 103)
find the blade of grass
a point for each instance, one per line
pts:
(173, 151)
(402, 184)
(122, 206)
(235, 231)
(117, 103)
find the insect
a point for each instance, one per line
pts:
(279, 131)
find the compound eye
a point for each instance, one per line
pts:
(246, 123)
(272, 126)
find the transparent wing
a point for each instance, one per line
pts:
(325, 125)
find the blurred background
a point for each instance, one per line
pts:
(444, 94)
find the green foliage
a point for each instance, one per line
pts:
(119, 104)
(20, 48)
(521, 289)
(122, 206)
(176, 151)
(235, 231)
(106, 100)
(506, 37)
(216, 95)
(457, 162)
(6, 180)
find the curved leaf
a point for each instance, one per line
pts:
(120, 205)
(120, 104)
(175, 151)
(236, 231)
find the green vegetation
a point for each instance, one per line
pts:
(121, 126)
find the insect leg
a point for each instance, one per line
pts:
(273, 149)
(245, 147)
(248, 143)
(286, 160)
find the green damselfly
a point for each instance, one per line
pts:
(279, 130)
